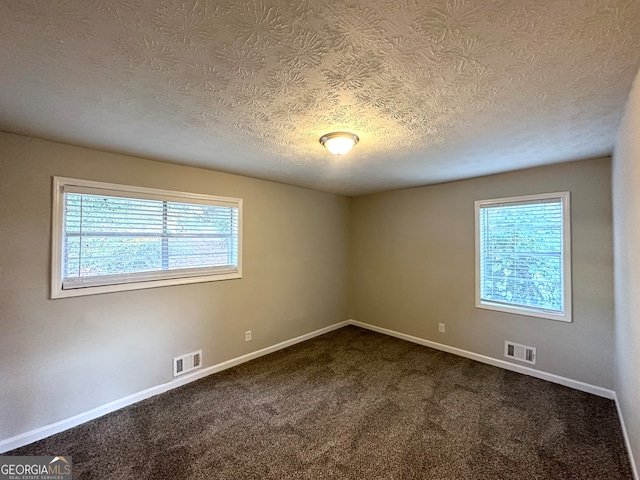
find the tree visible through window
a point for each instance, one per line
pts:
(110, 237)
(523, 257)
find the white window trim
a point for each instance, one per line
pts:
(566, 265)
(57, 290)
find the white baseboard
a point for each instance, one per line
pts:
(62, 425)
(551, 377)
(567, 382)
(634, 467)
(57, 427)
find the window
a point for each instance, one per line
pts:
(109, 238)
(523, 255)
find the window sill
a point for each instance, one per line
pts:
(524, 311)
(121, 287)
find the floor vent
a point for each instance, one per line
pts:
(186, 363)
(520, 352)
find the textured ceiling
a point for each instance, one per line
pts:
(437, 90)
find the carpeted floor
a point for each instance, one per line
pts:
(353, 404)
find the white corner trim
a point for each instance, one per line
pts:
(62, 425)
(627, 442)
(551, 377)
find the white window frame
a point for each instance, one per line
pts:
(566, 316)
(181, 277)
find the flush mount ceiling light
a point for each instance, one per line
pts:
(339, 143)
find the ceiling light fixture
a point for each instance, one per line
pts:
(339, 143)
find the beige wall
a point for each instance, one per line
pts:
(409, 255)
(413, 266)
(66, 356)
(626, 203)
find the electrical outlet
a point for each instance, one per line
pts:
(247, 336)
(441, 327)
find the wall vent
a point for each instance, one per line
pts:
(186, 363)
(520, 352)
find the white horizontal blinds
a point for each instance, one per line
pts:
(117, 239)
(150, 194)
(200, 236)
(521, 254)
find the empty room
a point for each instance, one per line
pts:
(275, 239)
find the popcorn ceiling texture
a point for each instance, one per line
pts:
(437, 90)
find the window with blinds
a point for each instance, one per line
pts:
(114, 237)
(523, 256)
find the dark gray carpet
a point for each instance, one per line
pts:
(353, 404)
